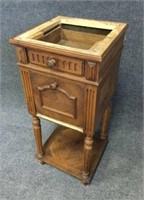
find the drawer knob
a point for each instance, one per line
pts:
(53, 86)
(51, 63)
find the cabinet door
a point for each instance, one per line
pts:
(58, 98)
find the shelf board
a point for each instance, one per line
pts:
(64, 150)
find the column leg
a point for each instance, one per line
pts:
(38, 136)
(105, 120)
(88, 145)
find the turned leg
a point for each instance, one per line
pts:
(88, 145)
(105, 120)
(38, 136)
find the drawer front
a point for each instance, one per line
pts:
(54, 62)
(58, 98)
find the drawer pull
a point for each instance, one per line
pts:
(53, 86)
(51, 63)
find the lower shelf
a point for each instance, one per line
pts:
(64, 150)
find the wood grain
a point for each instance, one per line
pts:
(64, 150)
(50, 107)
(64, 103)
(82, 37)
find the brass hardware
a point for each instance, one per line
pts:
(60, 122)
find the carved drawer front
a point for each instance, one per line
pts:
(54, 62)
(58, 98)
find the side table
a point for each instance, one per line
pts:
(69, 68)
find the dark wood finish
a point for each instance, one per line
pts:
(69, 68)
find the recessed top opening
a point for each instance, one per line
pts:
(74, 36)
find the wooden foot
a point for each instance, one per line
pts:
(41, 162)
(88, 145)
(105, 120)
(85, 178)
(38, 136)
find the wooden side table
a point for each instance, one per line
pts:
(69, 68)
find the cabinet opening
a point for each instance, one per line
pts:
(74, 36)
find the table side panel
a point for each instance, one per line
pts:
(107, 88)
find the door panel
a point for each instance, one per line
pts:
(58, 98)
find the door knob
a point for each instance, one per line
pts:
(51, 63)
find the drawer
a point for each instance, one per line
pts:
(58, 98)
(55, 62)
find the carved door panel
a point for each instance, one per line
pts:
(58, 98)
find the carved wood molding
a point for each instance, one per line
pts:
(64, 64)
(21, 55)
(54, 86)
(71, 66)
(28, 91)
(88, 143)
(91, 71)
(90, 108)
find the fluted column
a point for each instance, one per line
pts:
(38, 136)
(88, 145)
